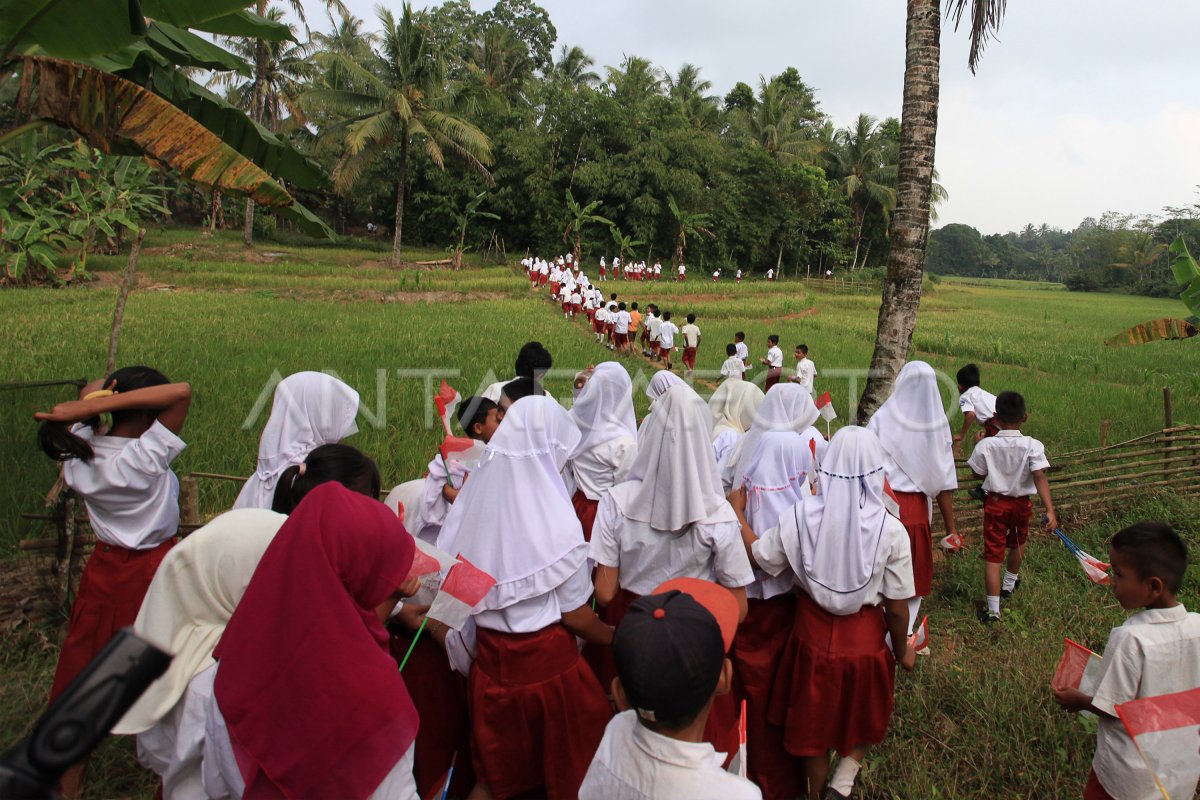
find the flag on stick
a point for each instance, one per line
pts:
(1166, 730)
(920, 637)
(952, 543)
(1079, 668)
(464, 587)
(1095, 569)
(825, 409)
(446, 400)
(738, 766)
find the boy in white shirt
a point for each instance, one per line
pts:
(976, 404)
(691, 343)
(654, 325)
(771, 275)
(666, 333)
(1013, 467)
(733, 367)
(576, 302)
(682, 272)
(600, 322)
(1155, 652)
(806, 371)
(716, 275)
(773, 361)
(657, 270)
(621, 328)
(670, 653)
(739, 276)
(743, 352)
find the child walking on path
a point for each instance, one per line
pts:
(976, 404)
(691, 343)
(773, 361)
(1013, 467)
(1155, 652)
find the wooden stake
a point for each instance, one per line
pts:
(114, 336)
(1168, 410)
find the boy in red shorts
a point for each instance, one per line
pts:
(1013, 467)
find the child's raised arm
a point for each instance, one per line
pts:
(171, 401)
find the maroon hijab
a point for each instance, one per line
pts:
(314, 703)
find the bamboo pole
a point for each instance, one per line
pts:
(189, 500)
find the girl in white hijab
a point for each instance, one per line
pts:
(733, 407)
(604, 413)
(514, 520)
(663, 380)
(851, 560)
(786, 407)
(310, 409)
(918, 459)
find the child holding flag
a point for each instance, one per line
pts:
(1155, 652)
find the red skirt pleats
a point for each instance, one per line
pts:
(537, 713)
(111, 591)
(835, 685)
(914, 515)
(586, 511)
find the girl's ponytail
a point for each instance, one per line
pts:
(57, 441)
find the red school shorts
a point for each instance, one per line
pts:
(1005, 525)
(620, 339)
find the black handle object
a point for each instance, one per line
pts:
(81, 716)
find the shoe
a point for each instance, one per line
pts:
(988, 617)
(834, 794)
(1007, 593)
(977, 494)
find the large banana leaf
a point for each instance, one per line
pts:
(248, 24)
(186, 49)
(1187, 275)
(1157, 331)
(107, 109)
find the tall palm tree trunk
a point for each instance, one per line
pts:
(910, 224)
(256, 109)
(400, 181)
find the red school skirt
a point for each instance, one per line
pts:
(914, 515)
(835, 688)
(757, 650)
(111, 591)
(440, 697)
(537, 713)
(585, 509)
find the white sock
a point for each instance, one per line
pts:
(1010, 580)
(844, 775)
(993, 603)
(914, 610)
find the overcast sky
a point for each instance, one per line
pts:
(1081, 107)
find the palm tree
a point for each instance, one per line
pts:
(634, 82)
(861, 157)
(914, 183)
(502, 61)
(777, 125)
(464, 218)
(274, 91)
(688, 91)
(688, 223)
(400, 95)
(581, 217)
(625, 243)
(575, 66)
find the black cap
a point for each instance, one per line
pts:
(669, 652)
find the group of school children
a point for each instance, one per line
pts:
(650, 580)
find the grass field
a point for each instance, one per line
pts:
(975, 720)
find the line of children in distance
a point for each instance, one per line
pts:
(721, 552)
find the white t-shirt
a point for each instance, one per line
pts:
(654, 323)
(536, 613)
(599, 469)
(691, 335)
(806, 371)
(1008, 460)
(647, 557)
(621, 322)
(743, 352)
(635, 763)
(576, 299)
(129, 490)
(739, 274)
(977, 400)
(775, 357)
(667, 333)
(733, 367)
(658, 269)
(770, 274)
(682, 269)
(1155, 652)
(601, 314)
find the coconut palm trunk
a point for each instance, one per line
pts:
(400, 181)
(910, 223)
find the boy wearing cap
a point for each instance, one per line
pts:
(671, 659)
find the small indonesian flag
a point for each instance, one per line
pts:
(952, 543)
(920, 638)
(465, 586)
(446, 400)
(430, 560)
(1095, 569)
(890, 502)
(825, 408)
(1079, 668)
(1166, 730)
(738, 766)
(460, 448)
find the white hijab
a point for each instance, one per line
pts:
(733, 406)
(914, 431)
(673, 482)
(776, 478)
(193, 595)
(604, 409)
(514, 519)
(663, 380)
(787, 407)
(836, 534)
(310, 409)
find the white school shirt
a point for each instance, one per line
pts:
(770, 274)
(602, 264)
(601, 314)
(658, 269)
(682, 269)
(806, 371)
(635, 763)
(743, 352)
(733, 367)
(576, 299)
(739, 273)
(621, 322)
(425, 521)
(775, 358)
(535, 613)
(1008, 460)
(977, 400)
(1154, 652)
(129, 490)
(667, 334)
(173, 748)
(691, 334)
(892, 578)
(655, 325)
(647, 557)
(604, 466)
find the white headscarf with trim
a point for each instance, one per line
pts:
(914, 431)
(787, 407)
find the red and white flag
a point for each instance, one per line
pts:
(920, 637)
(825, 408)
(1079, 668)
(952, 543)
(461, 448)
(891, 503)
(463, 589)
(446, 400)
(1166, 730)
(738, 766)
